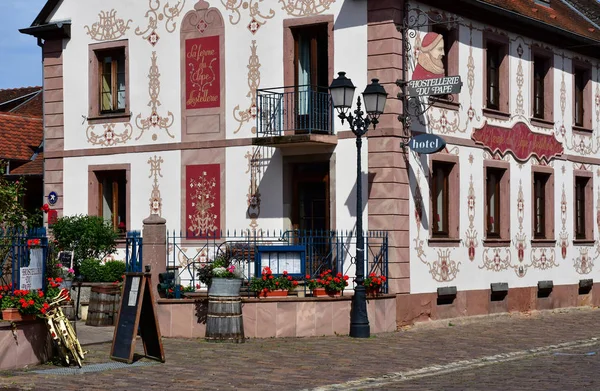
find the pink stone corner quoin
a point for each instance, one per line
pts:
(519, 140)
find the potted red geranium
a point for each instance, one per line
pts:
(327, 284)
(268, 285)
(373, 284)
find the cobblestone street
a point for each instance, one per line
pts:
(542, 350)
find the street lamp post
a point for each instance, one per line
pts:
(374, 96)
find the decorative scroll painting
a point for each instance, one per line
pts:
(519, 140)
(155, 16)
(203, 201)
(203, 79)
(155, 198)
(108, 26)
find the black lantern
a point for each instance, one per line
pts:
(375, 98)
(342, 92)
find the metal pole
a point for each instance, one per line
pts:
(359, 320)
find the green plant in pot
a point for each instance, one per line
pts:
(222, 276)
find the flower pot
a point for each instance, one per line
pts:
(225, 287)
(373, 292)
(13, 315)
(275, 293)
(322, 292)
(66, 284)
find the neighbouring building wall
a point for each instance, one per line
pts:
(472, 260)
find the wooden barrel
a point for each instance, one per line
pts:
(224, 321)
(104, 305)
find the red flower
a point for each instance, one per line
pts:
(41, 294)
(277, 283)
(294, 283)
(336, 280)
(31, 302)
(24, 305)
(59, 279)
(307, 277)
(285, 273)
(46, 305)
(43, 310)
(289, 278)
(345, 278)
(271, 276)
(264, 278)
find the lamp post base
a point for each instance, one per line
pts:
(359, 321)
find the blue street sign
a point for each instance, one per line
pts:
(52, 198)
(427, 143)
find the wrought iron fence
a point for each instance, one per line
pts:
(23, 253)
(133, 252)
(302, 109)
(324, 250)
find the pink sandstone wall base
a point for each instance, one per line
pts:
(29, 346)
(423, 307)
(288, 317)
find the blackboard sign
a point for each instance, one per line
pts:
(137, 312)
(66, 259)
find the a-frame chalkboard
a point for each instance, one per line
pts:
(137, 311)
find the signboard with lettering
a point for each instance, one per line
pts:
(519, 140)
(428, 76)
(426, 143)
(202, 68)
(439, 86)
(32, 276)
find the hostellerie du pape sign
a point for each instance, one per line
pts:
(428, 75)
(31, 277)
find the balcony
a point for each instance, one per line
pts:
(294, 117)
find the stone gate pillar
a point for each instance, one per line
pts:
(154, 248)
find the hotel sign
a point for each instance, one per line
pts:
(426, 143)
(519, 140)
(438, 86)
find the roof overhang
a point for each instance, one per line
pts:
(495, 15)
(54, 30)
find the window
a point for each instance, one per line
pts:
(109, 82)
(539, 206)
(582, 96)
(311, 78)
(444, 187)
(542, 87)
(496, 75)
(497, 202)
(493, 202)
(583, 205)
(440, 192)
(112, 81)
(543, 203)
(450, 58)
(108, 194)
(112, 191)
(493, 76)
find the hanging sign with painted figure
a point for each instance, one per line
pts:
(428, 78)
(426, 143)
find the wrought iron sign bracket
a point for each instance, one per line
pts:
(415, 19)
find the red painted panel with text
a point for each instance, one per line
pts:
(203, 73)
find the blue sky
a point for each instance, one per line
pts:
(20, 57)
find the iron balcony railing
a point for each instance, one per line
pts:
(323, 250)
(294, 110)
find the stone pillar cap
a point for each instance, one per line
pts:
(154, 219)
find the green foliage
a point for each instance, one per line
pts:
(221, 267)
(93, 270)
(12, 213)
(87, 236)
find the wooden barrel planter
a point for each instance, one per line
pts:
(104, 305)
(224, 322)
